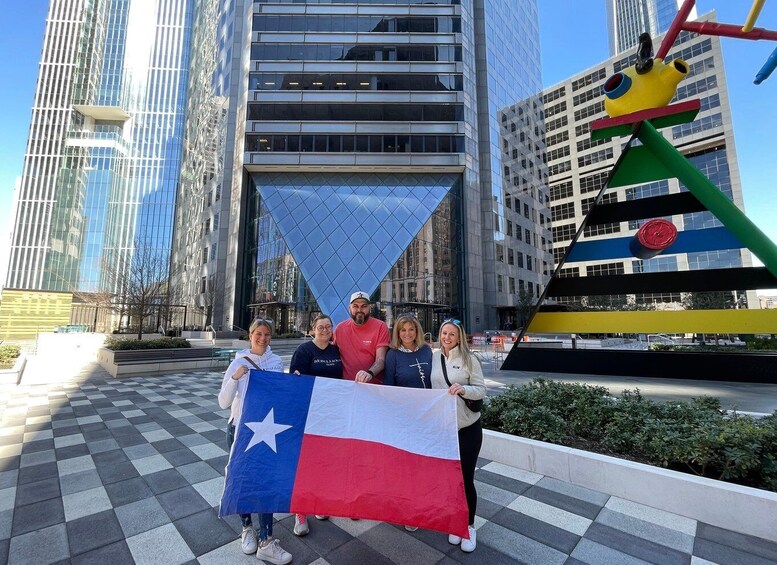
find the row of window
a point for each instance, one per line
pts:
(589, 111)
(353, 52)
(342, 81)
(355, 143)
(553, 95)
(584, 97)
(708, 122)
(557, 109)
(557, 138)
(564, 232)
(561, 190)
(357, 112)
(590, 78)
(563, 167)
(339, 23)
(596, 157)
(588, 143)
(561, 122)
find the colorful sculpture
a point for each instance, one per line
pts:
(650, 83)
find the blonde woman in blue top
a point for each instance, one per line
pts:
(409, 360)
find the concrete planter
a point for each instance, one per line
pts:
(742, 509)
(13, 376)
(156, 361)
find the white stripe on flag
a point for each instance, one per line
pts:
(415, 420)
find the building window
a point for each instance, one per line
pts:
(500, 253)
(562, 211)
(561, 190)
(604, 269)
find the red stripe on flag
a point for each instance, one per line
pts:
(363, 479)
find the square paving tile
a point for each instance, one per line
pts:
(93, 531)
(160, 545)
(27, 548)
(37, 516)
(204, 532)
(84, 503)
(141, 515)
(129, 490)
(182, 502)
(113, 554)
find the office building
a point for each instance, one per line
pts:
(104, 149)
(579, 167)
(377, 146)
(627, 19)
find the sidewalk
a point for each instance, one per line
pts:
(99, 470)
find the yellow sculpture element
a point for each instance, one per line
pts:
(628, 91)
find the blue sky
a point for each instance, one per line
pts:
(573, 38)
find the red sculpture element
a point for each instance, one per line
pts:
(654, 237)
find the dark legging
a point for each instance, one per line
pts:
(470, 441)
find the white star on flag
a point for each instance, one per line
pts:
(265, 431)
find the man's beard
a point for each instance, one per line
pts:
(360, 318)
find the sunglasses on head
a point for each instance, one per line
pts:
(453, 321)
(265, 320)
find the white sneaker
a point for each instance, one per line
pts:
(301, 525)
(468, 545)
(248, 540)
(321, 517)
(454, 540)
(270, 550)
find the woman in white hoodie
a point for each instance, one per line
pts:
(455, 367)
(232, 393)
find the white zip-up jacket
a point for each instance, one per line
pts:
(473, 382)
(233, 392)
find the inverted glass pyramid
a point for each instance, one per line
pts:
(347, 230)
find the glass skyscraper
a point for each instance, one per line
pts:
(364, 148)
(103, 155)
(627, 19)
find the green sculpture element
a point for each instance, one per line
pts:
(708, 194)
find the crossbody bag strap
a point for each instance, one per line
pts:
(444, 369)
(252, 362)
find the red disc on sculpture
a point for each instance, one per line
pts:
(657, 234)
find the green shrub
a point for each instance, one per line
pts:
(8, 355)
(696, 436)
(118, 344)
(761, 344)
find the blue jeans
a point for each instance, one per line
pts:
(265, 520)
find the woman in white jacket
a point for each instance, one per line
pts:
(464, 380)
(232, 393)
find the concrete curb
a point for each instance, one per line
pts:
(13, 376)
(734, 507)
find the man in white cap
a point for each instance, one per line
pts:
(363, 342)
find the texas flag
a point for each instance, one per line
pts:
(312, 445)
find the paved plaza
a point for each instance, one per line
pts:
(100, 470)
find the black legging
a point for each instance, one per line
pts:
(470, 441)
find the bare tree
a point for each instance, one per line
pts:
(142, 284)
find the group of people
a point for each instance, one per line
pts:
(362, 349)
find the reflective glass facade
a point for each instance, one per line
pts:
(119, 71)
(627, 19)
(511, 172)
(357, 138)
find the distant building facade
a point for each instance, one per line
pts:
(627, 19)
(103, 154)
(375, 147)
(579, 167)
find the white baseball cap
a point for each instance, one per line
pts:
(360, 295)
